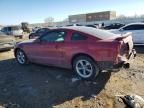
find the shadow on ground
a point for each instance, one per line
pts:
(35, 86)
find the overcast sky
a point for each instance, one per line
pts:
(35, 11)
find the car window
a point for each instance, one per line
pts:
(15, 28)
(54, 36)
(134, 27)
(39, 30)
(78, 36)
(9, 28)
(3, 29)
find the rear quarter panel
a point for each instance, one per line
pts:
(99, 50)
(103, 50)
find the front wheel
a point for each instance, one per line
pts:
(86, 68)
(21, 57)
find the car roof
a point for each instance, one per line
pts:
(99, 33)
(139, 23)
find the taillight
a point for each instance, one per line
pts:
(124, 49)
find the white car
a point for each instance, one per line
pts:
(137, 30)
(13, 30)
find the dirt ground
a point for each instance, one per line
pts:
(36, 86)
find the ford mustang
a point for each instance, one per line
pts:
(87, 51)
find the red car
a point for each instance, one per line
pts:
(86, 50)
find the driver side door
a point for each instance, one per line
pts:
(49, 50)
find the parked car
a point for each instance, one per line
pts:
(86, 50)
(74, 25)
(38, 33)
(93, 26)
(137, 30)
(7, 42)
(114, 26)
(35, 29)
(13, 30)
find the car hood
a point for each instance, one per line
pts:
(27, 41)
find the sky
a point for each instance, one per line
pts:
(36, 11)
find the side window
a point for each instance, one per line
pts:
(134, 27)
(38, 31)
(140, 27)
(78, 37)
(9, 29)
(3, 29)
(53, 36)
(130, 27)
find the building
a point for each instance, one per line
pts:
(89, 17)
(77, 18)
(100, 16)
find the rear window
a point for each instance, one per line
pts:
(101, 34)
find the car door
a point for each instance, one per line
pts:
(137, 32)
(50, 48)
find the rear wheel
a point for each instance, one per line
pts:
(85, 67)
(21, 57)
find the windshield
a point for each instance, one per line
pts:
(99, 33)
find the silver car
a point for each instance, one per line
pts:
(137, 30)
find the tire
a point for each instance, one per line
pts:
(30, 36)
(21, 57)
(86, 68)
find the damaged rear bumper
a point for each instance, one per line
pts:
(125, 63)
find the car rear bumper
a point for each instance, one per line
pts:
(125, 63)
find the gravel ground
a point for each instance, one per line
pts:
(36, 86)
